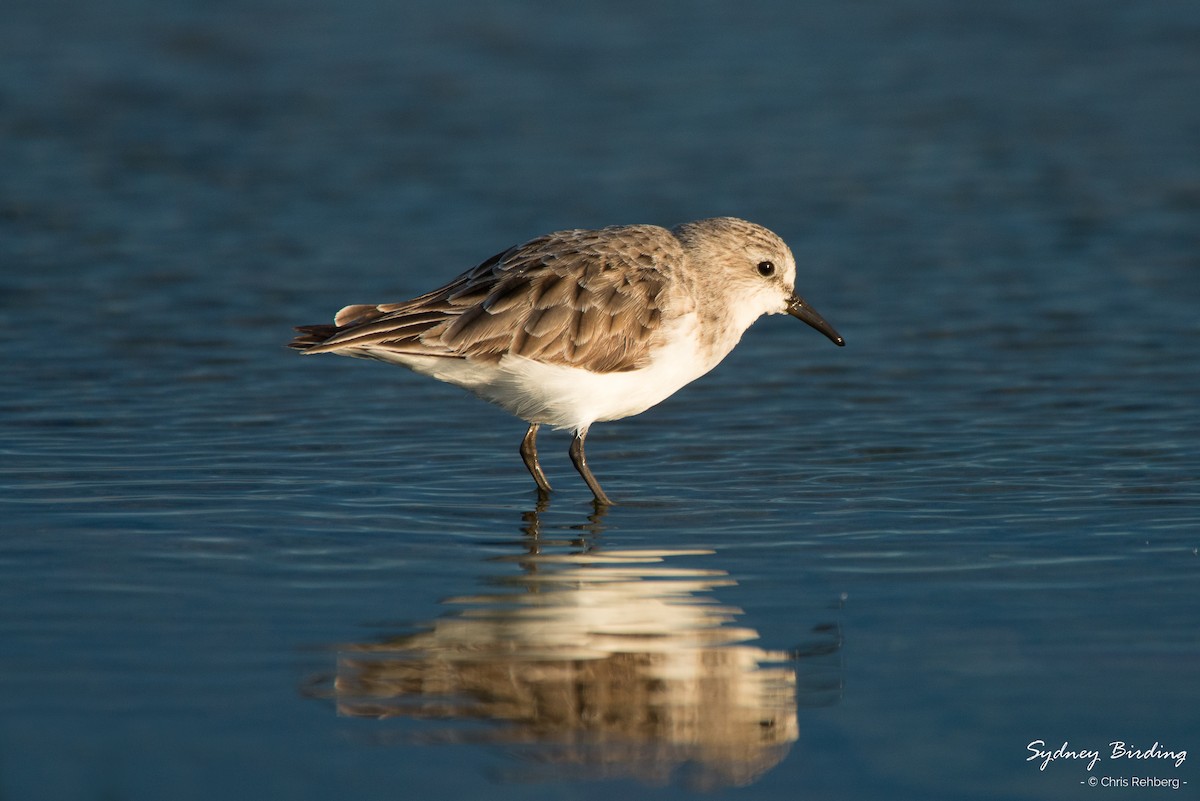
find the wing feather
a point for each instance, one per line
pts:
(584, 298)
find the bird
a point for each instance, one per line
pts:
(582, 326)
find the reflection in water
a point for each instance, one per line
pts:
(599, 663)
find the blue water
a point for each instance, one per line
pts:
(879, 571)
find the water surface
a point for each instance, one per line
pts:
(872, 572)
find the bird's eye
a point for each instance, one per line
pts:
(766, 268)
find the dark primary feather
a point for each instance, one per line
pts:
(589, 298)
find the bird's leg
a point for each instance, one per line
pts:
(530, 457)
(579, 459)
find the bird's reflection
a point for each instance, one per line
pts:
(597, 663)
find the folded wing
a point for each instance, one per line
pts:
(583, 298)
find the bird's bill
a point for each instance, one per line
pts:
(799, 308)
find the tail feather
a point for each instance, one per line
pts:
(310, 336)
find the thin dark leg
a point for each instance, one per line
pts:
(579, 459)
(530, 457)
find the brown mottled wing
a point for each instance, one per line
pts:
(585, 298)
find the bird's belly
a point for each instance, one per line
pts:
(572, 397)
(564, 396)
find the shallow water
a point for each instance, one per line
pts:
(872, 572)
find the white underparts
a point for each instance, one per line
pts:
(573, 397)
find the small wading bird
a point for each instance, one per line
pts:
(583, 326)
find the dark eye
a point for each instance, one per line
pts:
(766, 268)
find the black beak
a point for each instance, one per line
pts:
(798, 308)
